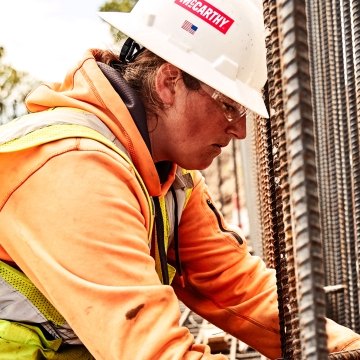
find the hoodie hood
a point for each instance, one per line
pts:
(85, 87)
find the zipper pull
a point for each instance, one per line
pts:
(221, 227)
(182, 281)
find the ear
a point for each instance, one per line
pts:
(165, 81)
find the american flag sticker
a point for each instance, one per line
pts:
(189, 27)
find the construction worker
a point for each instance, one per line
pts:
(105, 220)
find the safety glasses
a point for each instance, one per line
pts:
(230, 108)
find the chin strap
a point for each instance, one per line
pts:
(129, 51)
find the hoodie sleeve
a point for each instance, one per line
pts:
(229, 287)
(80, 236)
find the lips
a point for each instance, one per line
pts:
(218, 147)
(221, 145)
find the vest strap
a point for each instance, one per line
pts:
(22, 301)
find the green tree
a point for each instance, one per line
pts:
(117, 5)
(14, 86)
(9, 78)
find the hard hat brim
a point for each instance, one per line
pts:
(188, 61)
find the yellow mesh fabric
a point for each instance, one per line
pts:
(26, 342)
(54, 132)
(166, 221)
(23, 285)
(165, 215)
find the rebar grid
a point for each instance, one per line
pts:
(308, 161)
(355, 12)
(353, 175)
(333, 112)
(345, 355)
(281, 218)
(302, 178)
(322, 99)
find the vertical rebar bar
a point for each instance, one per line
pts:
(302, 178)
(353, 173)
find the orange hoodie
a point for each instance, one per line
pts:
(75, 220)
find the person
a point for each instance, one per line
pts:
(106, 221)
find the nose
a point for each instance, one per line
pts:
(237, 128)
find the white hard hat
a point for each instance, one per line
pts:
(219, 42)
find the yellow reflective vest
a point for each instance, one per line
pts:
(26, 315)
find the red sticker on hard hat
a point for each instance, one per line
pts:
(208, 13)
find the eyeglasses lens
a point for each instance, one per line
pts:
(231, 109)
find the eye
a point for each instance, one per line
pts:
(228, 108)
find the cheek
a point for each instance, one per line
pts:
(242, 134)
(202, 130)
(189, 137)
(205, 121)
(200, 124)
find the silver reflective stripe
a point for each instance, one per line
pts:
(57, 116)
(15, 306)
(64, 332)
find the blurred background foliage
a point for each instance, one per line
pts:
(15, 84)
(117, 5)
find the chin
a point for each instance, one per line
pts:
(204, 166)
(197, 165)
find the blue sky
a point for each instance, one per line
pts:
(46, 37)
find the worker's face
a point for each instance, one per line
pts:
(194, 128)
